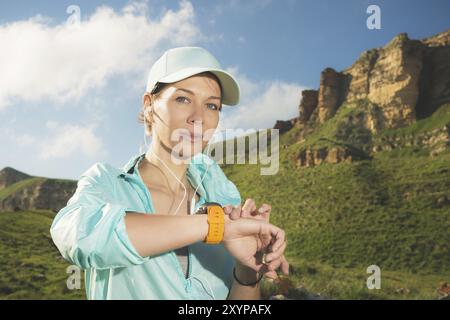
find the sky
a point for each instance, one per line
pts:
(71, 89)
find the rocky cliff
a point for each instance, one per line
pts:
(9, 176)
(394, 86)
(19, 191)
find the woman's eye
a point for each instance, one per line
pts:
(181, 99)
(213, 106)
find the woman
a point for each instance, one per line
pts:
(138, 231)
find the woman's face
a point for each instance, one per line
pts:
(186, 113)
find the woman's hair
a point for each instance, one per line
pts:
(159, 86)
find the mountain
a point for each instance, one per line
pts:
(20, 191)
(359, 109)
(363, 179)
(9, 176)
(364, 175)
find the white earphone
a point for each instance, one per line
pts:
(211, 292)
(174, 175)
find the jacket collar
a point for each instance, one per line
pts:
(129, 168)
(194, 170)
(204, 175)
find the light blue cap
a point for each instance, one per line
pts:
(182, 62)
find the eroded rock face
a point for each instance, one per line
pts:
(9, 176)
(311, 156)
(330, 93)
(407, 79)
(434, 84)
(308, 104)
(394, 80)
(389, 77)
(44, 194)
(437, 141)
(359, 76)
(283, 125)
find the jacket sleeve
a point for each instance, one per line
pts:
(90, 230)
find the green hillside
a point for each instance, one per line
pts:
(32, 268)
(341, 218)
(31, 182)
(19, 185)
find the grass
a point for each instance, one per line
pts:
(351, 283)
(32, 267)
(19, 185)
(438, 119)
(347, 216)
(339, 219)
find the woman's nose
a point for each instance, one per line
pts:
(196, 118)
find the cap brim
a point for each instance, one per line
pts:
(230, 87)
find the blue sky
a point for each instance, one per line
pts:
(70, 95)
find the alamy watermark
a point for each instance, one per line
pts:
(75, 15)
(374, 281)
(238, 146)
(73, 282)
(374, 20)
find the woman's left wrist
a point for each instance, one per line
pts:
(246, 274)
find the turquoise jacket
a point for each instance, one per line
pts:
(90, 232)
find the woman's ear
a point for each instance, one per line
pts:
(148, 106)
(146, 99)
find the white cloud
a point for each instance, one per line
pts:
(61, 62)
(242, 39)
(262, 103)
(63, 141)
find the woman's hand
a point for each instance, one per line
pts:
(275, 257)
(245, 237)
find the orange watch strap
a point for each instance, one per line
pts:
(216, 221)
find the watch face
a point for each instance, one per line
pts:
(212, 204)
(204, 208)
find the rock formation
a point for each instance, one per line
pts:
(35, 193)
(395, 86)
(9, 176)
(401, 78)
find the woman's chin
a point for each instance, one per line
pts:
(187, 150)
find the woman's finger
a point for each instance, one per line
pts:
(248, 207)
(236, 212)
(274, 264)
(284, 265)
(279, 236)
(271, 274)
(276, 254)
(228, 209)
(263, 212)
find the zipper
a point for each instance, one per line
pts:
(171, 253)
(186, 281)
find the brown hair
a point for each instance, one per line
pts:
(159, 86)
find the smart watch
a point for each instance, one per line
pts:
(216, 221)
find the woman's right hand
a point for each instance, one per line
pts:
(250, 210)
(244, 237)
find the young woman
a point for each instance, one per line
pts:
(138, 231)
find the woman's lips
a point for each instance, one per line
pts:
(192, 137)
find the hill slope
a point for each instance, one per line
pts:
(21, 191)
(391, 210)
